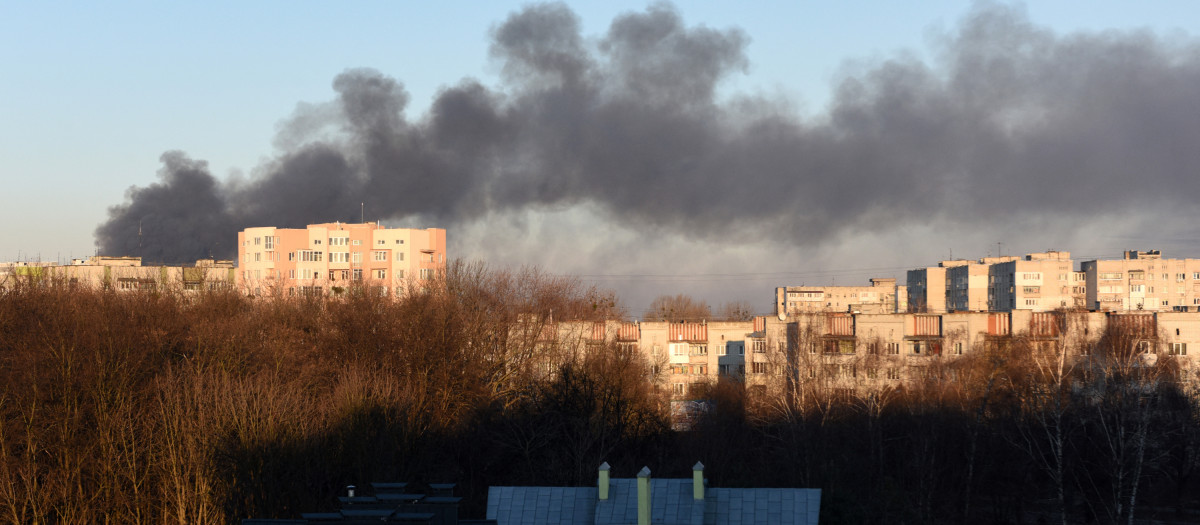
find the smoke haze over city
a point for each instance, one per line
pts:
(619, 157)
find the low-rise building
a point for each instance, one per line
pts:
(123, 273)
(882, 296)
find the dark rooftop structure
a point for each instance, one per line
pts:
(646, 501)
(387, 503)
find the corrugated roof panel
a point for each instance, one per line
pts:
(688, 332)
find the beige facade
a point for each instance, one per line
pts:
(332, 258)
(1143, 281)
(124, 273)
(1040, 282)
(882, 296)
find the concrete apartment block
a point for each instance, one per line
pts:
(332, 258)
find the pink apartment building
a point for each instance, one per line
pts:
(332, 258)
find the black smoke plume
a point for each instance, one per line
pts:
(1010, 120)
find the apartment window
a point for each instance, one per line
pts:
(1033, 289)
(1110, 276)
(893, 373)
(399, 256)
(1196, 275)
(380, 255)
(1178, 349)
(742, 347)
(893, 348)
(399, 274)
(426, 273)
(677, 388)
(291, 256)
(760, 346)
(958, 348)
(699, 350)
(316, 241)
(339, 257)
(399, 241)
(270, 244)
(759, 368)
(380, 274)
(678, 349)
(381, 241)
(311, 256)
(721, 350)
(1134, 288)
(357, 273)
(1031, 302)
(257, 241)
(357, 242)
(723, 370)
(257, 257)
(356, 258)
(291, 274)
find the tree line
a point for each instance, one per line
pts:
(210, 407)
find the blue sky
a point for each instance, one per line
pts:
(93, 94)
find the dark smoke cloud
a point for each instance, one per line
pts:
(1010, 121)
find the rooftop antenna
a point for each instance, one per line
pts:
(362, 212)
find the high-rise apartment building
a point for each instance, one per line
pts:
(927, 289)
(332, 258)
(967, 284)
(1143, 281)
(1039, 282)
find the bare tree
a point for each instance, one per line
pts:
(677, 308)
(736, 311)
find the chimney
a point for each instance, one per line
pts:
(643, 495)
(603, 482)
(698, 481)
